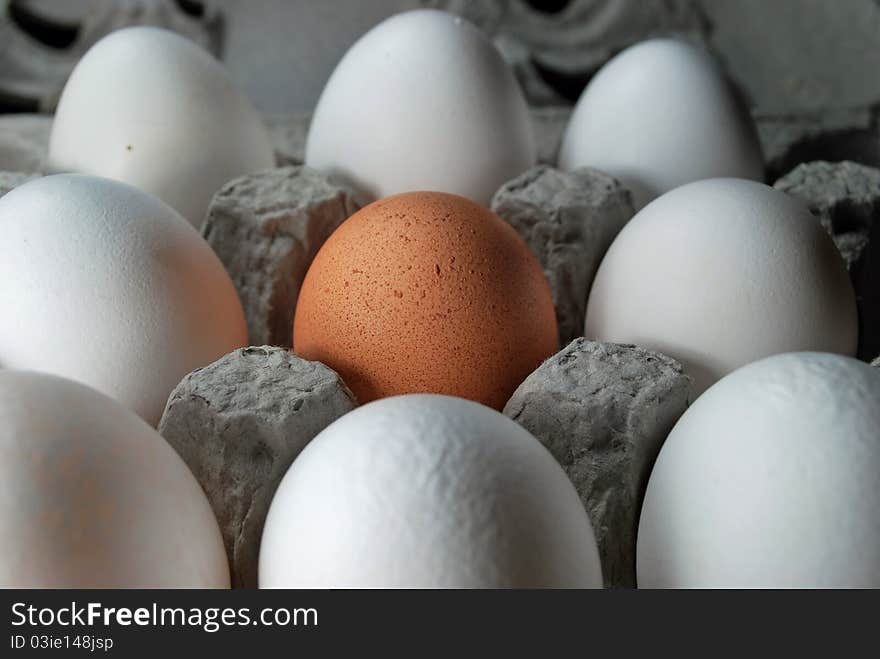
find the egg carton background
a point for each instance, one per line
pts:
(807, 69)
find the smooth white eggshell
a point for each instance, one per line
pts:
(427, 491)
(423, 101)
(659, 115)
(92, 497)
(106, 285)
(720, 273)
(148, 107)
(770, 480)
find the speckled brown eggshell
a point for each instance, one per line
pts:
(426, 292)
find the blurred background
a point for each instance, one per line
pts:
(809, 69)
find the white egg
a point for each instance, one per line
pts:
(770, 480)
(423, 101)
(105, 284)
(150, 108)
(720, 273)
(659, 115)
(427, 491)
(92, 497)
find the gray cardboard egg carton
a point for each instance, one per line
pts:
(602, 410)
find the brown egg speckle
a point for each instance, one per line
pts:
(426, 292)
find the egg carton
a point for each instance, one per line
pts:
(844, 196)
(263, 404)
(552, 53)
(267, 227)
(603, 410)
(606, 446)
(273, 223)
(240, 422)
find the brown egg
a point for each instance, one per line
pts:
(426, 292)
